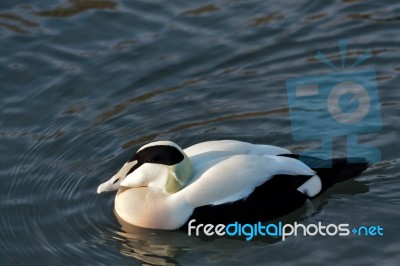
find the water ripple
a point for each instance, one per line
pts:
(85, 82)
(78, 6)
(17, 23)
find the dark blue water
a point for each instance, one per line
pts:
(84, 83)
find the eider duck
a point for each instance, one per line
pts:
(219, 182)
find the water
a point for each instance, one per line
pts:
(85, 83)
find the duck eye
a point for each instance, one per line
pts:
(115, 181)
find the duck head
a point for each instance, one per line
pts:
(161, 164)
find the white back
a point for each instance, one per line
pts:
(235, 177)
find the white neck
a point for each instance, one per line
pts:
(169, 178)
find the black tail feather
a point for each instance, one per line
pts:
(332, 171)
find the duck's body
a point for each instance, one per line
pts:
(164, 187)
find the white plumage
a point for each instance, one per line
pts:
(233, 177)
(162, 185)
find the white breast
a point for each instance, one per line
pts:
(151, 208)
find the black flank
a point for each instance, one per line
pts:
(279, 195)
(276, 197)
